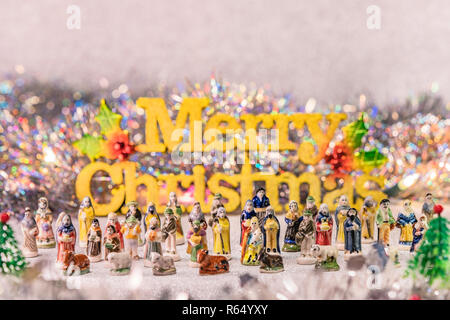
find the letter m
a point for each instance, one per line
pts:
(157, 114)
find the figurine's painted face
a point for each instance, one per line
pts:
(215, 202)
(293, 206)
(173, 197)
(66, 221)
(254, 224)
(261, 194)
(42, 204)
(343, 200)
(429, 198)
(27, 214)
(95, 224)
(196, 207)
(306, 217)
(310, 204)
(110, 230)
(369, 202)
(221, 212)
(153, 223)
(249, 206)
(86, 202)
(407, 205)
(351, 214)
(133, 208)
(324, 210)
(385, 205)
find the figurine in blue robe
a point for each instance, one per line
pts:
(260, 203)
(352, 229)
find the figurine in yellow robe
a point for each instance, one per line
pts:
(221, 232)
(340, 217)
(85, 216)
(367, 218)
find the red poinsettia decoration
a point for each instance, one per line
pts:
(118, 145)
(4, 217)
(340, 158)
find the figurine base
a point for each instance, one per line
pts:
(179, 241)
(95, 259)
(251, 263)
(347, 256)
(120, 272)
(306, 260)
(271, 270)
(404, 247)
(161, 272)
(290, 247)
(46, 245)
(367, 241)
(340, 246)
(193, 264)
(327, 266)
(30, 254)
(209, 273)
(73, 271)
(82, 244)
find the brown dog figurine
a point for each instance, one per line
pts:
(79, 261)
(212, 264)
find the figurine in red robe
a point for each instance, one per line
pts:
(67, 236)
(324, 226)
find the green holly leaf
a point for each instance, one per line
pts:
(367, 160)
(108, 120)
(354, 132)
(90, 146)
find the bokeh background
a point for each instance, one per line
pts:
(321, 49)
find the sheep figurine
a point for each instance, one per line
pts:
(162, 266)
(326, 257)
(120, 263)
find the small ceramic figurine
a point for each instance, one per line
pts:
(131, 230)
(385, 222)
(419, 230)
(114, 221)
(406, 221)
(216, 203)
(120, 263)
(30, 232)
(221, 232)
(352, 229)
(177, 212)
(197, 214)
(270, 263)
(150, 214)
(196, 241)
(133, 210)
(75, 263)
(85, 217)
(211, 264)
(162, 266)
(324, 226)
(339, 217)
(367, 217)
(44, 219)
(428, 205)
(260, 203)
(252, 243)
(311, 206)
(94, 247)
(153, 238)
(326, 258)
(111, 241)
(305, 238)
(169, 230)
(293, 221)
(271, 232)
(66, 236)
(247, 214)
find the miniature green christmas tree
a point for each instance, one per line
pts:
(12, 260)
(432, 257)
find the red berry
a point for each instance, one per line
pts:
(4, 217)
(438, 209)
